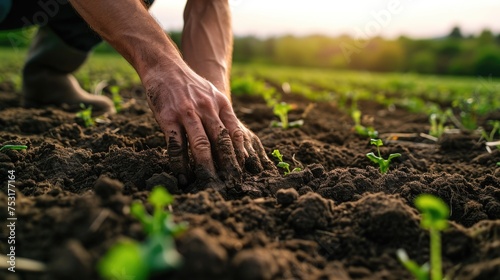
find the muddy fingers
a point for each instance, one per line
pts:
(226, 158)
(178, 156)
(252, 162)
(267, 164)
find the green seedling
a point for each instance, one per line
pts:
(283, 164)
(494, 130)
(116, 97)
(250, 85)
(490, 137)
(419, 272)
(468, 112)
(86, 115)
(13, 147)
(435, 215)
(382, 163)
(365, 131)
(498, 163)
(438, 120)
(281, 111)
(156, 253)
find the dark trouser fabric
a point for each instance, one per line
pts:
(59, 15)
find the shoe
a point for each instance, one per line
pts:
(47, 78)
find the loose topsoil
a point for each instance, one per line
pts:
(339, 218)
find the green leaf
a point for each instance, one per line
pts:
(283, 164)
(297, 169)
(281, 108)
(374, 158)
(420, 272)
(391, 156)
(160, 197)
(117, 99)
(277, 154)
(434, 211)
(371, 132)
(14, 147)
(123, 261)
(356, 116)
(161, 254)
(384, 166)
(139, 212)
(376, 142)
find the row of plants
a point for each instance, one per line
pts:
(464, 113)
(368, 84)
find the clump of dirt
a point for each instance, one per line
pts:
(338, 218)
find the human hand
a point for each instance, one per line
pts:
(194, 115)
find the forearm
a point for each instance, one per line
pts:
(132, 31)
(207, 40)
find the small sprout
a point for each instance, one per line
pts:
(434, 211)
(490, 137)
(498, 163)
(282, 164)
(420, 272)
(117, 99)
(438, 120)
(469, 109)
(123, 261)
(14, 147)
(383, 163)
(435, 215)
(86, 115)
(281, 110)
(156, 253)
(365, 131)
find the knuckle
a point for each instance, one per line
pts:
(201, 144)
(224, 140)
(174, 148)
(238, 135)
(190, 112)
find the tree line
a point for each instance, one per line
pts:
(453, 54)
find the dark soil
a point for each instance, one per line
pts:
(339, 218)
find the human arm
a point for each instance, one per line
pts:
(188, 108)
(207, 45)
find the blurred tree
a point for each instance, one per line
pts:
(456, 33)
(247, 49)
(486, 37)
(423, 61)
(446, 50)
(487, 61)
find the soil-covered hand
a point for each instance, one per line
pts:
(194, 115)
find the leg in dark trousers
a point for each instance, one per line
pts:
(60, 47)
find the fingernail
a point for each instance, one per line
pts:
(182, 179)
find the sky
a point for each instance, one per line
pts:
(362, 18)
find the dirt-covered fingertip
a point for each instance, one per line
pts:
(240, 157)
(253, 165)
(178, 156)
(265, 162)
(228, 165)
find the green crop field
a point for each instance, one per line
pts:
(405, 89)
